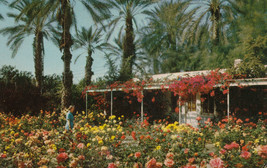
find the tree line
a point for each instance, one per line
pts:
(177, 35)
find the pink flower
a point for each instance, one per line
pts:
(231, 146)
(151, 163)
(168, 162)
(158, 165)
(62, 157)
(263, 151)
(170, 155)
(239, 121)
(81, 157)
(222, 151)
(198, 118)
(137, 154)
(245, 154)
(186, 150)
(191, 160)
(112, 165)
(80, 145)
(216, 163)
(137, 165)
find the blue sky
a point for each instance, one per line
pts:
(52, 59)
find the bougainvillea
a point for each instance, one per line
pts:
(183, 87)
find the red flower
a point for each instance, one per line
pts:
(216, 163)
(212, 93)
(123, 137)
(169, 155)
(191, 160)
(239, 121)
(168, 162)
(153, 100)
(81, 157)
(222, 151)
(225, 91)
(62, 157)
(151, 163)
(112, 165)
(80, 145)
(263, 151)
(176, 110)
(133, 135)
(231, 146)
(245, 154)
(198, 118)
(137, 165)
(137, 154)
(3, 155)
(186, 150)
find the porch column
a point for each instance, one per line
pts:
(180, 113)
(111, 103)
(142, 107)
(86, 103)
(228, 103)
(198, 104)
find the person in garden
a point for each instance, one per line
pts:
(70, 118)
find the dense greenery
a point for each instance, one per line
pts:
(20, 95)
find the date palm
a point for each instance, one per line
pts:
(27, 25)
(164, 37)
(64, 12)
(127, 10)
(216, 15)
(88, 40)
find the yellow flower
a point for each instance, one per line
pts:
(122, 116)
(81, 129)
(256, 141)
(112, 137)
(158, 147)
(100, 142)
(112, 117)
(26, 155)
(12, 132)
(88, 145)
(54, 146)
(217, 144)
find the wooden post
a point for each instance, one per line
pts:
(228, 104)
(142, 108)
(86, 103)
(111, 103)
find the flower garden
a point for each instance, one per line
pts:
(115, 142)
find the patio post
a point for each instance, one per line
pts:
(86, 103)
(111, 103)
(180, 111)
(142, 107)
(228, 103)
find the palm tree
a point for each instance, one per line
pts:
(27, 25)
(163, 39)
(64, 12)
(127, 11)
(89, 40)
(216, 15)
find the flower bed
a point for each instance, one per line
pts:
(97, 141)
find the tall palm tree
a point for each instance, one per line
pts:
(127, 11)
(216, 15)
(89, 40)
(63, 9)
(164, 37)
(27, 25)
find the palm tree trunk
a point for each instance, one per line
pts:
(66, 43)
(88, 68)
(38, 59)
(216, 30)
(128, 50)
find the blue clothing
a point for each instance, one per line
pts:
(70, 117)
